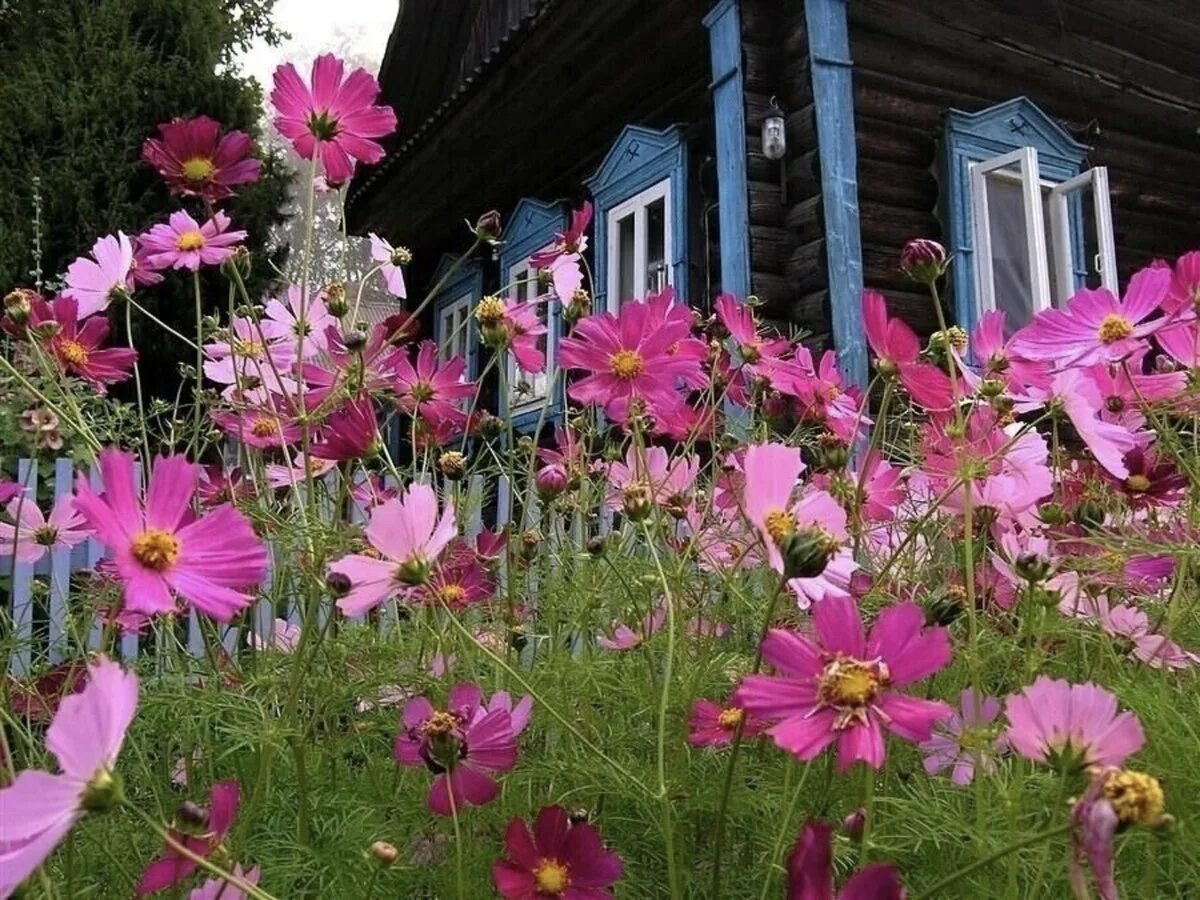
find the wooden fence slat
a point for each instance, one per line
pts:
(60, 567)
(129, 642)
(21, 660)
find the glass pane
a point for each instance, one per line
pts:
(1010, 250)
(1050, 243)
(625, 251)
(656, 245)
(448, 337)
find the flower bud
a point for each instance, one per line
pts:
(1032, 567)
(637, 500)
(1052, 514)
(191, 814)
(578, 306)
(531, 539)
(924, 260)
(806, 552)
(579, 817)
(596, 546)
(385, 853)
(354, 339)
(1089, 514)
(488, 226)
(551, 480)
(832, 452)
(339, 585)
(452, 464)
(18, 304)
(855, 824)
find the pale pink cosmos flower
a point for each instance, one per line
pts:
(280, 476)
(283, 636)
(335, 121)
(38, 808)
(1054, 720)
(390, 260)
(562, 258)
(409, 535)
(162, 548)
(625, 638)
(183, 243)
(643, 354)
(1096, 327)
(252, 352)
(966, 739)
(93, 281)
(219, 889)
(1183, 297)
(1146, 645)
(305, 320)
(670, 481)
(33, 535)
(1081, 401)
(842, 685)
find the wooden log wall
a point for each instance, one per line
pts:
(1122, 76)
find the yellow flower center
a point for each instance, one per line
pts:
(73, 352)
(849, 685)
(1114, 328)
(156, 549)
(490, 311)
(780, 525)
(1137, 483)
(190, 240)
(552, 877)
(401, 256)
(198, 168)
(452, 593)
(1136, 798)
(253, 349)
(731, 718)
(264, 426)
(627, 364)
(440, 723)
(46, 535)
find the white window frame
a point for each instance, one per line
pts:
(540, 382)
(459, 314)
(1025, 163)
(637, 206)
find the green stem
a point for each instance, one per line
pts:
(999, 854)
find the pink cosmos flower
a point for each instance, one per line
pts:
(390, 260)
(1053, 720)
(350, 432)
(1096, 327)
(669, 481)
(172, 867)
(759, 358)
(141, 273)
(251, 353)
(966, 739)
(640, 355)
(713, 725)
(1183, 296)
(1080, 400)
(297, 473)
(898, 350)
(183, 243)
(431, 390)
(1125, 392)
(32, 535)
(558, 858)
(997, 359)
(77, 345)
(822, 396)
(625, 638)
(373, 364)
(810, 871)
(38, 808)
(562, 258)
(1146, 645)
(219, 889)
(408, 535)
(260, 427)
(196, 160)
(162, 548)
(334, 121)
(93, 281)
(284, 637)
(841, 685)
(517, 326)
(457, 582)
(461, 746)
(306, 321)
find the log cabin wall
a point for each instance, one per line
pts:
(1121, 76)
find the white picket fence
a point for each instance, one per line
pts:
(37, 633)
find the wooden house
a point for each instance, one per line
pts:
(1048, 143)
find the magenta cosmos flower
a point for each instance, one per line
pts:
(77, 345)
(1054, 721)
(558, 858)
(196, 160)
(1096, 327)
(183, 243)
(562, 258)
(38, 809)
(967, 739)
(201, 838)
(408, 535)
(93, 281)
(334, 120)
(464, 745)
(434, 392)
(33, 535)
(841, 685)
(641, 354)
(898, 354)
(219, 889)
(162, 548)
(713, 725)
(810, 872)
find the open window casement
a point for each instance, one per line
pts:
(1073, 241)
(1032, 236)
(453, 333)
(639, 233)
(526, 389)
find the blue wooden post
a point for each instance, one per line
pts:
(129, 642)
(60, 567)
(21, 660)
(93, 554)
(833, 98)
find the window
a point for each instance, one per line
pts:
(639, 193)
(453, 332)
(529, 389)
(1023, 237)
(637, 253)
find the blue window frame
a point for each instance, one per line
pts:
(640, 196)
(454, 327)
(1021, 236)
(531, 228)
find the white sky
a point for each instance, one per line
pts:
(358, 29)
